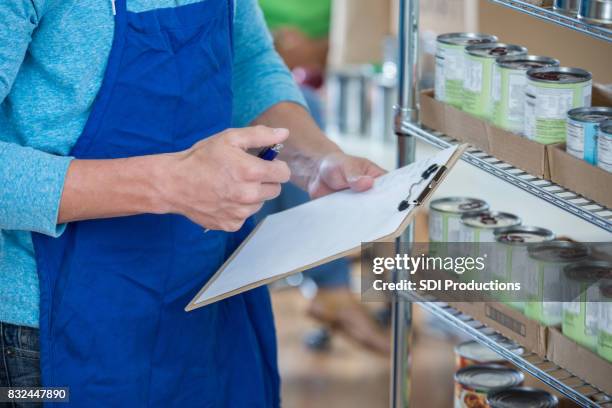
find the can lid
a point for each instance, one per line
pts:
(495, 50)
(458, 205)
(466, 38)
(475, 351)
(589, 271)
(594, 114)
(488, 377)
(526, 62)
(522, 397)
(559, 75)
(523, 235)
(606, 126)
(490, 219)
(559, 251)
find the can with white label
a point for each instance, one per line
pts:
(508, 91)
(544, 278)
(604, 324)
(478, 75)
(510, 260)
(582, 129)
(604, 146)
(445, 216)
(550, 93)
(450, 50)
(580, 314)
(473, 383)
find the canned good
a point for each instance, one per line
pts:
(596, 12)
(384, 97)
(480, 226)
(604, 324)
(510, 260)
(567, 7)
(347, 96)
(580, 315)
(550, 93)
(604, 146)
(449, 64)
(472, 384)
(508, 91)
(471, 353)
(445, 216)
(544, 278)
(582, 129)
(478, 75)
(522, 397)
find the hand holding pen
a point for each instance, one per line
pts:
(268, 153)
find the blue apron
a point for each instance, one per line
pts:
(113, 291)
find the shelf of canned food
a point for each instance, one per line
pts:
(591, 20)
(530, 121)
(546, 371)
(544, 189)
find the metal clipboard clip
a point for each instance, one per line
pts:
(437, 172)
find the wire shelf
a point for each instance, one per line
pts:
(559, 196)
(550, 15)
(546, 371)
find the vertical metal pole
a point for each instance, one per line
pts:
(405, 110)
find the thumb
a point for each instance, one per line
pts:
(355, 172)
(257, 136)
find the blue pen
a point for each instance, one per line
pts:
(268, 154)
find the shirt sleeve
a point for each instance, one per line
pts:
(260, 79)
(31, 181)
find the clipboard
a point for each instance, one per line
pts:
(254, 263)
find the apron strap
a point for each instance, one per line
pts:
(118, 6)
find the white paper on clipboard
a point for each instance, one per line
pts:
(321, 230)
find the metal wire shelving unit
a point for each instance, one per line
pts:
(408, 129)
(546, 371)
(548, 14)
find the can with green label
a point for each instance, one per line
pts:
(543, 284)
(445, 216)
(478, 75)
(510, 259)
(550, 93)
(581, 311)
(604, 323)
(508, 91)
(450, 54)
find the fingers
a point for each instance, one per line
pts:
(360, 173)
(256, 136)
(262, 171)
(254, 193)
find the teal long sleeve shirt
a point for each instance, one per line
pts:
(53, 56)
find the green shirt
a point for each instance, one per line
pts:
(311, 17)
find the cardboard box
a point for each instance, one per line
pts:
(579, 360)
(358, 28)
(579, 176)
(514, 149)
(509, 322)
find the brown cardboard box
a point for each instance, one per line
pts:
(579, 176)
(572, 48)
(514, 149)
(358, 28)
(509, 322)
(579, 360)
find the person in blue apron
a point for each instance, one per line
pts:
(113, 285)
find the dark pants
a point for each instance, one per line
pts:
(19, 360)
